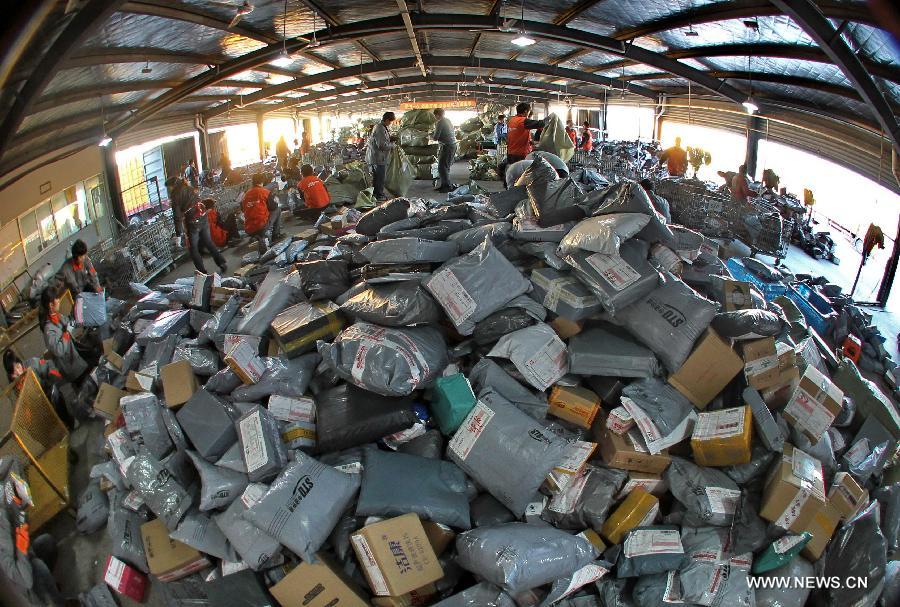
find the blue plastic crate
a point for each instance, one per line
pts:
(770, 290)
(819, 313)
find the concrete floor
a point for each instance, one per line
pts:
(82, 558)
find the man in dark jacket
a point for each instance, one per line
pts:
(190, 217)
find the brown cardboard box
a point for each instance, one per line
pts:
(138, 382)
(651, 483)
(707, 370)
(320, 584)
(111, 355)
(179, 383)
(220, 295)
(736, 295)
(106, 405)
(637, 510)
(722, 438)
(309, 235)
(566, 328)
(778, 395)
(396, 555)
(824, 521)
(576, 405)
(619, 452)
(417, 598)
(814, 404)
(761, 367)
(168, 559)
(619, 421)
(846, 496)
(794, 491)
(439, 536)
(244, 360)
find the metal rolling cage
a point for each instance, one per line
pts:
(137, 254)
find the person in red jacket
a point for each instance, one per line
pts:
(218, 231)
(587, 139)
(518, 136)
(570, 131)
(315, 195)
(256, 212)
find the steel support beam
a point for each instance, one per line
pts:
(78, 29)
(113, 186)
(574, 11)
(811, 19)
(87, 57)
(495, 13)
(24, 26)
(411, 34)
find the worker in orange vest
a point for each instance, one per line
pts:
(587, 140)
(570, 131)
(256, 212)
(518, 136)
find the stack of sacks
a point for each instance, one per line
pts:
(436, 407)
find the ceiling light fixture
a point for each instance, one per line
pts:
(105, 140)
(523, 39)
(146, 69)
(750, 105)
(313, 43)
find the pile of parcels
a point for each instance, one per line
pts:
(460, 404)
(415, 136)
(351, 184)
(484, 167)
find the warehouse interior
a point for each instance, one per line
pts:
(300, 307)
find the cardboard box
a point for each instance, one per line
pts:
(299, 435)
(761, 367)
(138, 382)
(244, 360)
(439, 536)
(179, 383)
(707, 370)
(722, 438)
(846, 496)
(220, 295)
(619, 421)
(824, 521)
(735, 295)
(814, 404)
(651, 483)
(106, 405)
(417, 598)
(778, 395)
(396, 555)
(231, 341)
(594, 538)
(111, 355)
(576, 405)
(566, 328)
(794, 491)
(309, 235)
(320, 584)
(168, 559)
(298, 328)
(639, 509)
(125, 579)
(620, 452)
(288, 409)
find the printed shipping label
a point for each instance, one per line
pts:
(286, 409)
(576, 456)
(650, 485)
(133, 501)
(252, 494)
(858, 452)
(351, 468)
(637, 441)
(644, 423)
(641, 542)
(761, 365)
(115, 570)
(614, 270)
(784, 544)
(453, 296)
(548, 364)
(809, 414)
(584, 576)
(793, 509)
(720, 424)
(255, 453)
(565, 501)
(673, 592)
(807, 468)
(376, 578)
(723, 501)
(619, 421)
(470, 430)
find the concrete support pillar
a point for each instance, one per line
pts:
(754, 131)
(260, 120)
(203, 138)
(113, 186)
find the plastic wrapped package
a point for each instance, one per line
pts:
(93, 509)
(712, 573)
(204, 362)
(500, 323)
(489, 378)
(747, 324)
(471, 287)
(467, 240)
(143, 417)
(662, 414)
(610, 351)
(124, 529)
(387, 212)
(555, 140)
(603, 234)
(785, 595)
(223, 382)
(393, 305)
(347, 416)
(506, 452)
(539, 170)
(430, 445)
(409, 250)
(586, 500)
(218, 324)
(537, 352)
(253, 545)
(545, 251)
(668, 320)
(613, 593)
(387, 361)
(260, 438)
(563, 294)
(199, 532)
(519, 556)
(556, 201)
(652, 590)
(98, 596)
(173, 322)
(650, 550)
(159, 353)
(285, 377)
(760, 460)
(161, 491)
(220, 486)
(482, 594)
(502, 203)
(304, 504)
(858, 549)
(630, 197)
(400, 172)
(152, 300)
(394, 484)
(616, 280)
(709, 496)
(263, 310)
(90, 309)
(485, 510)
(889, 496)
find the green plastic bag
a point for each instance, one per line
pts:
(366, 199)
(451, 402)
(414, 137)
(781, 551)
(342, 193)
(419, 119)
(400, 173)
(555, 140)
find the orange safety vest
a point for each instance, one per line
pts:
(518, 138)
(588, 144)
